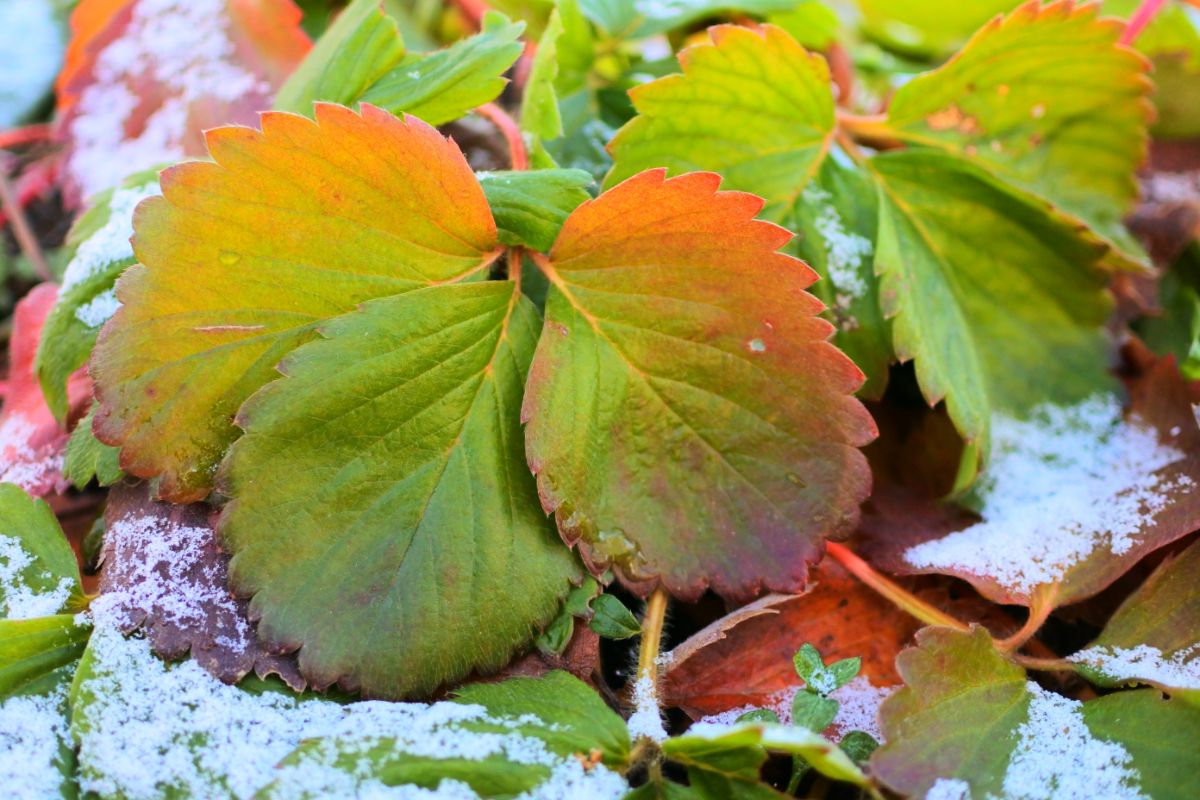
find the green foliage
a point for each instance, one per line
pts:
(88, 459)
(530, 207)
(42, 577)
(612, 620)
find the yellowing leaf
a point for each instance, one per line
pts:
(688, 422)
(242, 258)
(753, 105)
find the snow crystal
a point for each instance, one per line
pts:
(159, 576)
(844, 250)
(183, 45)
(32, 41)
(949, 789)
(110, 243)
(1057, 758)
(1062, 484)
(646, 719)
(858, 707)
(1181, 670)
(33, 731)
(99, 309)
(148, 728)
(20, 463)
(17, 599)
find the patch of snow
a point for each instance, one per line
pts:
(17, 599)
(1180, 670)
(110, 243)
(32, 40)
(949, 789)
(147, 729)
(33, 731)
(183, 46)
(1057, 758)
(858, 707)
(845, 250)
(20, 463)
(1062, 484)
(646, 719)
(99, 309)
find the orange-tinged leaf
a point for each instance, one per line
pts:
(32, 443)
(689, 423)
(241, 259)
(144, 78)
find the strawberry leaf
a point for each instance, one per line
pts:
(144, 78)
(88, 459)
(540, 115)
(531, 206)
(361, 46)
(38, 572)
(411, 483)
(995, 329)
(682, 382)
(1046, 99)
(969, 724)
(752, 105)
(33, 650)
(243, 258)
(1154, 637)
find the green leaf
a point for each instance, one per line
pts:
(658, 402)
(1046, 99)
(752, 105)
(859, 746)
(844, 670)
(539, 105)
(1000, 328)
(808, 662)
(88, 458)
(810, 22)
(737, 752)
(660, 16)
(444, 85)
(926, 28)
(813, 712)
(612, 619)
(530, 206)
(39, 759)
(614, 16)
(836, 221)
(38, 572)
(570, 718)
(100, 240)
(350, 533)
(31, 649)
(969, 723)
(361, 46)
(558, 633)
(1154, 637)
(244, 258)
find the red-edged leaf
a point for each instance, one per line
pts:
(31, 442)
(143, 79)
(689, 422)
(165, 574)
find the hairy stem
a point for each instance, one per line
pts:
(21, 229)
(512, 133)
(652, 628)
(890, 590)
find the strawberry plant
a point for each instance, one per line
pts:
(742, 399)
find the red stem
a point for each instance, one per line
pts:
(15, 137)
(894, 592)
(512, 133)
(21, 229)
(1140, 19)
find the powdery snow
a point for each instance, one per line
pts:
(949, 789)
(17, 599)
(845, 251)
(32, 41)
(145, 727)
(99, 309)
(185, 47)
(1180, 670)
(32, 731)
(110, 243)
(646, 719)
(20, 463)
(858, 708)
(1061, 485)
(1057, 758)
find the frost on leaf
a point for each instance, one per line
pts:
(32, 442)
(36, 759)
(144, 78)
(683, 382)
(164, 573)
(1074, 497)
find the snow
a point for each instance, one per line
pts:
(858, 708)
(166, 569)
(99, 309)
(32, 41)
(1180, 670)
(949, 789)
(20, 463)
(844, 251)
(1057, 758)
(146, 727)
(646, 719)
(17, 599)
(1062, 484)
(185, 47)
(110, 243)
(33, 730)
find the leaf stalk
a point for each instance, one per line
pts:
(21, 228)
(518, 156)
(893, 592)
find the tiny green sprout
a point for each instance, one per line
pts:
(612, 620)
(819, 678)
(813, 711)
(859, 745)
